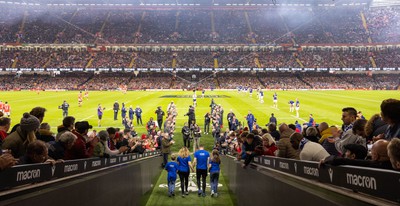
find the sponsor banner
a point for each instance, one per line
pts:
(375, 182)
(68, 168)
(27, 174)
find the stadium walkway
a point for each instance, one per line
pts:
(158, 196)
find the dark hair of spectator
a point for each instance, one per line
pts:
(255, 132)
(111, 130)
(68, 121)
(350, 110)
(38, 112)
(390, 109)
(359, 125)
(272, 127)
(250, 136)
(4, 121)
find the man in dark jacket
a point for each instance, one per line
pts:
(123, 111)
(230, 118)
(64, 108)
(250, 145)
(116, 109)
(186, 135)
(191, 115)
(160, 114)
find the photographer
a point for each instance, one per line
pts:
(64, 106)
(207, 120)
(186, 135)
(191, 115)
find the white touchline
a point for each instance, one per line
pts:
(299, 118)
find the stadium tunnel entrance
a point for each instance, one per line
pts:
(142, 182)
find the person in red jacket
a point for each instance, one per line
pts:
(269, 146)
(81, 148)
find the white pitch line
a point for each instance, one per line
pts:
(299, 118)
(275, 108)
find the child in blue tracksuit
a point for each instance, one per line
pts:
(172, 168)
(214, 172)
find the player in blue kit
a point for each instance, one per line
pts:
(291, 106)
(275, 100)
(297, 107)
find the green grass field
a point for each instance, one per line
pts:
(324, 105)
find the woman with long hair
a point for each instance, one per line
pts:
(214, 172)
(185, 163)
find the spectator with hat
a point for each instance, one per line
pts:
(18, 141)
(355, 151)
(45, 133)
(80, 149)
(38, 112)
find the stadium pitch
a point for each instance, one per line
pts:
(324, 105)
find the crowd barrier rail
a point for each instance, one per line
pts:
(33, 173)
(380, 183)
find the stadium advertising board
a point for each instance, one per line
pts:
(32, 173)
(376, 182)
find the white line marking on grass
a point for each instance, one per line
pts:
(343, 96)
(87, 118)
(299, 118)
(274, 108)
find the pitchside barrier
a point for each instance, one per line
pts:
(34, 173)
(380, 183)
